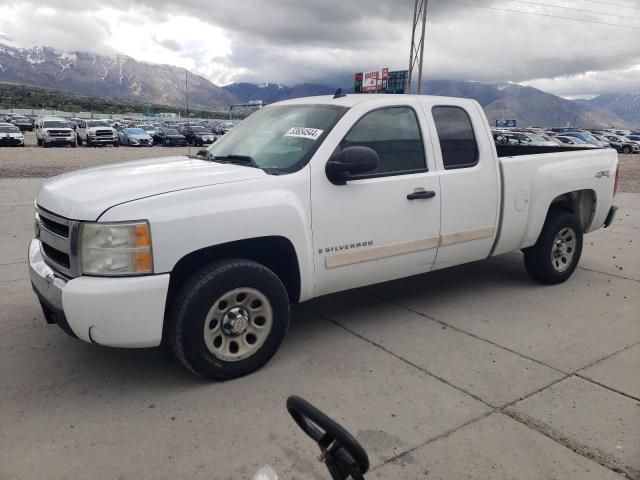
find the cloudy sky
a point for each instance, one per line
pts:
(325, 41)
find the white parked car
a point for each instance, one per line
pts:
(305, 197)
(11, 136)
(51, 131)
(96, 132)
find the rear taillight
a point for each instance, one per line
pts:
(616, 183)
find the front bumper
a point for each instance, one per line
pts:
(103, 140)
(11, 142)
(59, 140)
(115, 312)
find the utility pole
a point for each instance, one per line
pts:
(417, 44)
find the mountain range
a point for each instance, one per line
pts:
(121, 76)
(108, 76)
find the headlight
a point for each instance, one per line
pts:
(116, 249)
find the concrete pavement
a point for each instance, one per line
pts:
(472, 372)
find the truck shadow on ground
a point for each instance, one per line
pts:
(157, 367)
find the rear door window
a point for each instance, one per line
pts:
(457, 138)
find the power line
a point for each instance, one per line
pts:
(613, 4)
(581, 10)
(630, 27)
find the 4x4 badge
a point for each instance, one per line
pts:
(603, 173)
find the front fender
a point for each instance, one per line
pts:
(188, 220)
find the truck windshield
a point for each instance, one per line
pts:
(281, 138)
(55, 124)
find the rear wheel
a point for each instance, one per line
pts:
(556, 254)
(229, 319)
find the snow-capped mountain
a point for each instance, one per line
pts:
(112, 76)
(274, 92)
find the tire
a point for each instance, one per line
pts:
(79, 140)
(39, 141)
(556, 254)
(74, 144)
(200, 319)
(116, 144)
(88, 142)
(46, 145)
(626, 150)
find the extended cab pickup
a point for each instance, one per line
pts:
(304, 198)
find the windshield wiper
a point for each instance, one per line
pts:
(236, 159)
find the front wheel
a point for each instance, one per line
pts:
(556, 254)
(229, 319)
(626, 150)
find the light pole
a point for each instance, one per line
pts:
(416, 54)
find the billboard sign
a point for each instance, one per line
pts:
(375, 80)
(506, 123)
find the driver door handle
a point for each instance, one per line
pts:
(418, 194)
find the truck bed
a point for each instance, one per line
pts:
(531, 183)
(507, 150)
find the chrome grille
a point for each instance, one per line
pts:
(59, 238)
(104, 133)
(59, 133)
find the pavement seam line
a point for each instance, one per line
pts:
(607, 387)
(473, 335)
(434, 439)
(395, 355)
(583, 450)
(605, 357)
(529, 395)
(609, 274)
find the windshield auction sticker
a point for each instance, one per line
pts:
(301, 132)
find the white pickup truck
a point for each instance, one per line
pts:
(96, 132)
(304, 198)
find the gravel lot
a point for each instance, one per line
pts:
(33, 161)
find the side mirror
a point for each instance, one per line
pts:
(351, 161)
(202, 153)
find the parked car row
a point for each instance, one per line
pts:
(57, 131)
(623, 141)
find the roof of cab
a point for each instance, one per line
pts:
(352, 99)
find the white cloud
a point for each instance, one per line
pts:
(292, 41)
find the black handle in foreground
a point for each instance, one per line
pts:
(341, 453)
(421, 194)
